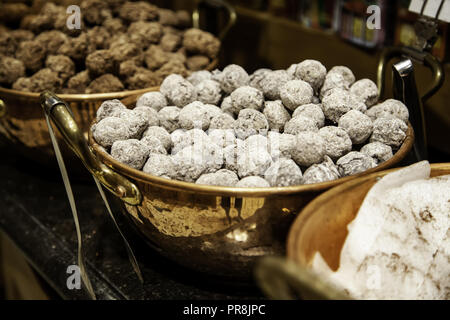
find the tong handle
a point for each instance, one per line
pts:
(217, 4)
(437, 71)
(405, 89)
(61, 115)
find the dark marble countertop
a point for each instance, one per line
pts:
(36, 216)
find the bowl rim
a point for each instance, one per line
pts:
(141, 176)
(308, 211)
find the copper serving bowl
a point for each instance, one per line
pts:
(22, 122)
(217, 230)
(320, 227)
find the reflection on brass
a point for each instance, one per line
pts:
(232, 16)
(216, 230)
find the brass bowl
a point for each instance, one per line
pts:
(23, 124)
(216, 230)
(321, 227)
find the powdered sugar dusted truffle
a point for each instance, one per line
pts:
(137, 122)
(253, 161)
(366, 90)
(227, 107)
(247, 98)
(295, 93)
(271, 83)
(378, 151)
(222, 177)
(110, 108)
(390, 108)
(255, 142)
(109, 130)
(222, 138)
(169, 118)
(155, 100)
(358, 126)
(178, 91)
(281, 145)
(194, 116)
(131, 152)
(161, 134)
(346, 74)
(160, 165)
(208, 91)
(276, 115)
(309, 149)
(332, 81)
(253, 182)
(338, 102)
(250, 122)
(198, 76)
(300, 124)
(230, 155)
(312, 111)
(390, 131)
(311, 71)
(337, 141)
(232, 77)
(283, 173)
(221, 121)
(354, 163)
(191, 162)
(149, 114)
(322, 172)
(196, 137)
(256, 78)
(153, 144)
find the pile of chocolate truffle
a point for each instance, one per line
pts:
(278, 128)
(121, 45)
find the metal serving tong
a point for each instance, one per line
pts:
(215, 4)
(57, 111)
(404, 85)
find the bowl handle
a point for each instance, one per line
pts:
(282, 279)
(61, 115)
(215, 4)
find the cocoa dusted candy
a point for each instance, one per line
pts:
(8, 44)
(52, 40)
(97, 38)
(75, 48)
(155, 57)
(99, 62)
(20, 35)
(138, 11)
(105, 83)
(79, 82)
(32, 54)
(184, 18)
(10, 70)
(142, 78)
(62, 65)
(95, 11)
(171, 42)
(196, 63)
(167, 17)
(145, 33)
(198, 41)
(44, 79)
